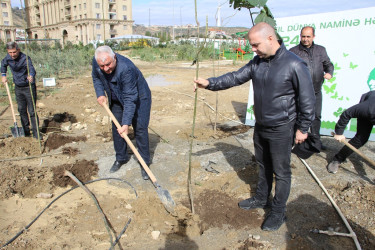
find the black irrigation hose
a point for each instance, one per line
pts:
(61, 195)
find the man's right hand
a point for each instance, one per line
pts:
(200, 83)
(4, 79)
(102, 100)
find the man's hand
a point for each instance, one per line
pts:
(102, 100)
(123, 129)
(4, 79)
(200, 83)
(30, 78)
(300, 137)
(327, 76)
(339, 137)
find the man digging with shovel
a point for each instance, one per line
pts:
(129, 99)
(24, 80)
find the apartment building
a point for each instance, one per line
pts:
(78, 20)
(7, 29)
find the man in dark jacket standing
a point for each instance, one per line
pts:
(284, 109)
(16, 60)
(365, 114)
(129, 100)
(320, 67)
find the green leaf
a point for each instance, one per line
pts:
(345, 55)
(337, 67)
(335, 96)
(329, 89)
(257, 3)
(353, 66)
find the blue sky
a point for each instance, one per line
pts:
(174, 12)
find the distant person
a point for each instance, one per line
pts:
(320, 67)
(129, 99)
(16, 60)
(365, 114)
(284, 109)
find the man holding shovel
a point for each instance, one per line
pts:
(364, 111)
(284, 109)
(129, 98)
(24, 80)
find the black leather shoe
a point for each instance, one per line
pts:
(273, 221)
(252, 203)
(117, 165)
(323, 147)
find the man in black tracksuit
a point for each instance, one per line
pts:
(16, 60)
(320, 67)
(284, 109)
(365, 114)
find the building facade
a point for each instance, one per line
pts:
(78, 20)
(7, 29)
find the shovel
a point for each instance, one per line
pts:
(356, 150)
(16, 131)
(163, 194)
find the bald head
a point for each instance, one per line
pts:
(263, 40)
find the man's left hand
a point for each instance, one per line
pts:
(300, 137)
(123, 129)
(30, 78)
(327, 76)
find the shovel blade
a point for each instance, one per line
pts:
(166, 199)
(17, 131)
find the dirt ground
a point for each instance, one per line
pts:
(46, 209)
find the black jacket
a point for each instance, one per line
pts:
(18, 68)
(282, 89)
(317, 61)
(365, 109)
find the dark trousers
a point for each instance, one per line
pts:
(273, 147)
(25, 104)
(364, 128)
(315, 125)
(140, 126)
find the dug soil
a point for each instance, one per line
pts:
(41, 207)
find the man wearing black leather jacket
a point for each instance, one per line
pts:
(284, 104)
(320, 67)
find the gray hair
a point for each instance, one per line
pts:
(102, 52)
(12, 45)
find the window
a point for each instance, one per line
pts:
(85, 16)
(124, 8)
(80, 16)
(4, 5)
(80, 7)
(125, 17)
(98, 26)
(6, 23)
(5, 14)
(97, 5)
(97, 15)
(98, 37)
(125, 27)
(84, 6)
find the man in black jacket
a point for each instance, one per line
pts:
(365, 114)
(320, 67)
(284, 109)
(16, 60)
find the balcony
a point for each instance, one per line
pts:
(113, 32)
(111, 10)
(111, 2)
(67, 14)
(67, 3)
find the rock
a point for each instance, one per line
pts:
(66, 126)
(256, 237)
(155, 234)
(128, 206)
(41, 105)
(105, 120)
(44, 195)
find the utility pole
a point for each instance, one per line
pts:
(149, 17)
(173, 21)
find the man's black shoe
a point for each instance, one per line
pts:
(252, 203)
(144, 174)
(117, 165)
(323, 147)
(273, 221)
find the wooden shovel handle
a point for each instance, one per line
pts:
(131, 145)
(10, 101)
(356, 150)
